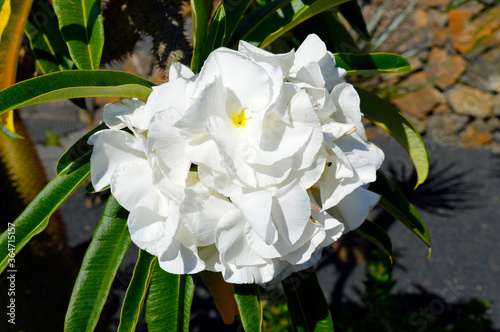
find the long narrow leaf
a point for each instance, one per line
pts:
(13, 16)
(80, 23)
(110, 242)
(234, 12)
(286, 18)
(372, 63)
(390, 119)
(168, 305)
(254, 19)
(306, 302)
(352, 13)
(46, 41)
(222, 294)
(74, 84)
(395, 202)
(215, 34)
(136, 291)
(35, 217)
(376, 235)
(248, 300)
(200, 28)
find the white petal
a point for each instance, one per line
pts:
(347, 110)
(354, 208)
(111, 148)
(127, 112)
(132, 186)
(262, 57)
(177, 70)
(256, 209)
(231, 241)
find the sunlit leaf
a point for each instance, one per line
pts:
(136, 291)
(306, 302)
(376, 235)
(14, 15)
(169, 301)
(390, 119)
(200, 29)
(109, 244)
(286, 18)
(222, 294)
(395, 202)
(248, 299)
(80, 23)
(74, 84)
(372, 63)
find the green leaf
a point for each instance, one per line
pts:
(215, 34)
(390, 119)
(254, 19)
(80, 23)
(352, 13)
(35, 217)
(136, 291)
(372, 63)
(77, 150)
(248, 299)
(286, 18)
(376, 235)
(200, 28)
(395, 202)
(110, 242)
(42, 30)
(234, 12)
(168, 305)
(74, 84)
(306, 302)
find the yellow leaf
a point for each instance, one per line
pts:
(7, 120)
(222, 293)
(4, 17)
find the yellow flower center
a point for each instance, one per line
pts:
(239, 119)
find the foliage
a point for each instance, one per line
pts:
(69, 55)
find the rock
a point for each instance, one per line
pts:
(493, 124)
(421, 102)
(476, 134)
(479, 33)
(470, 101)
(443, 109)
(484, 72)
(444, 128)
(496, 105)
(443, 69)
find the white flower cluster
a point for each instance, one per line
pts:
(248, 168)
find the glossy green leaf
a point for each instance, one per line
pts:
(80, 23)
(77, 150)
(35, 217)
(248, 299)
(286, 18)
(372, 63)
(42, 30)
(255, 19)
(234, 12)
(200, 28)
(168, 305)
(307, 305)
(215, 34)
(352, 13)
(376, 235)
(74, 84)
(109, 244)
(136, 291)
(390, 119)
(395, 202)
